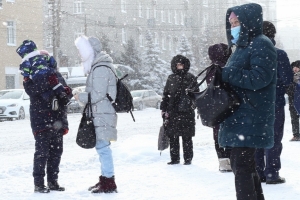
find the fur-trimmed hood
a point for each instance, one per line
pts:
(180, 59)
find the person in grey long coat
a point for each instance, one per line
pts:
(101, 80)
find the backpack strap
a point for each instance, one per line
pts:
(118, 79)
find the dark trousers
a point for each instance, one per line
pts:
(247, 181)
(187, 144)
(221, 152)
(48, 151)
(294, 117)
(270, 168)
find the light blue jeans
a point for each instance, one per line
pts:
(105, 158)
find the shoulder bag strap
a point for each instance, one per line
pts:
(202, 81)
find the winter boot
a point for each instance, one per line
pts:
(53, 185)
(175, 162)
(224, 165)
(107, 185)
(95, 186)
(41, 189)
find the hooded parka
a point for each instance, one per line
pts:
(251, 72)
(181, 123)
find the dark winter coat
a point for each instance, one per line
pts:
(284, 76)
(181, 122)
(42, 117)
(251, 72)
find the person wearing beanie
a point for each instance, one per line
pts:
(268, 161)
(251, 73)
(101, 80)
(291, 93)
(177, 108)
(48, 122)
(39, 66)
(219, 54)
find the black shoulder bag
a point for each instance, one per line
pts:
(218, 101)
(86, 135)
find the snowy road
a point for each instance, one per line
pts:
(141, 173)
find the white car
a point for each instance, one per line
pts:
(145, 98)
(14, 104)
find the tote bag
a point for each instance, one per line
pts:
(86, 135)
(218, 101)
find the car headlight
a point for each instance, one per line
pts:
(12, 105)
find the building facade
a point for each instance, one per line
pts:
(20, 20)
(55, 24)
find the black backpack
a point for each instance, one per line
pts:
(123, 101)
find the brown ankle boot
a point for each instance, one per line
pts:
(95, 186)
(107, 185)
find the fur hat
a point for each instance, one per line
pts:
(219, 54)
(86, 52)
(269, 29)
(26, 47)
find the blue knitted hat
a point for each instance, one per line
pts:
(26, 47)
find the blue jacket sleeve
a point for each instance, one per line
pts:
(284, 70)
(262, 68)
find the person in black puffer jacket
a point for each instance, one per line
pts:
(178, 109)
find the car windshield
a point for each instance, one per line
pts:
(10, 94)
(137, 94)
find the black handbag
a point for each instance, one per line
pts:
(218, 101)
(86, 135)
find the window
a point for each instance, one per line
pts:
(170, 43)
(175, 17)
(50, 9)
(140, 10)
(124, 39)
(0, 4)
(163, 41)
(49, 41)
(205, 19)
(78, 7)
(162, 16)
(141, 40)
(181, 18)
(78, 33)
(11, 33)
(123, 6)
(169, 16)
(10, 81)
(148, 13)
(154, 13)
(156, 38)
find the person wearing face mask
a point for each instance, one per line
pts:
(251, 72)
(178, 109)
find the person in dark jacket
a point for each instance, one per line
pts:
(290, 92)
(251, 73)
(48, 126)
(178, 109)
(219, 54)
(268, 168)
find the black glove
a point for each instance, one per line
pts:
(63, 99)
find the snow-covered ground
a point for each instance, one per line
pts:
(140, 171)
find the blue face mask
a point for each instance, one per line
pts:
(235, 32)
